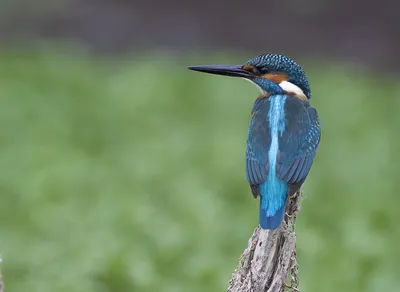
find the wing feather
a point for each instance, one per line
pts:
(297, 158)
(297, 144)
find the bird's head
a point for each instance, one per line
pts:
(272, 73)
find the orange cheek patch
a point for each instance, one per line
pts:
(276, 77)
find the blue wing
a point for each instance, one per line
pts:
(257, 146)
(297, 144)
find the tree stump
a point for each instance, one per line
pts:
(270, 257)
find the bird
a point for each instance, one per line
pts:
(284, 131)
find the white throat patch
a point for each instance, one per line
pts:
(292, 88)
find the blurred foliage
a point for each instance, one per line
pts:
(128, 175)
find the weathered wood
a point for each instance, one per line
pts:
(269, 257)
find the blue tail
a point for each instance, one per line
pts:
(273, 195)
(272, 222)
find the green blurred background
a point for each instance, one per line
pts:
(124, 171)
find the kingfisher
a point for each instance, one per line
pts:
(284, 131)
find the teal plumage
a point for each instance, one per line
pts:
(279, 154)
(283, 134)
(280, 63)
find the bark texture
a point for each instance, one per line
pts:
(270, 258)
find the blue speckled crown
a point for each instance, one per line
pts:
(279, 63)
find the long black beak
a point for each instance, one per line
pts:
(227, 70)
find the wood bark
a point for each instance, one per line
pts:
(269, 264)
